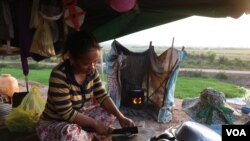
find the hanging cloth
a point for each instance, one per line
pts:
(161, 68)
(35, 16)
(51, 9)
(165, 114)
(74, 15)
(121, 65)
(6, 24)
(23, 10)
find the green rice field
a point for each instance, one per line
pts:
(185, 87)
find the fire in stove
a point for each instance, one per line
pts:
(136, 98)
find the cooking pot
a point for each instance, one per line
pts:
(193, 131)
(189, 131)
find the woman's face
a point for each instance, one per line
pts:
(87, 62)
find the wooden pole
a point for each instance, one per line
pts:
(101, 60)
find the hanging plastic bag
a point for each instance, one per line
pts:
(42, 43)
(24, 117)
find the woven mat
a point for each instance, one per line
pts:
(4, 111)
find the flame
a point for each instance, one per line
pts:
(137, 100)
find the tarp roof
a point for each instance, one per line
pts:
(108, 24)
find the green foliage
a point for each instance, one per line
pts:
(199, 74)
(235, 59)
(10, 65)
(211, 57)
(36, 66)
(210, 61)
(240, 62)
(221, 76)
(189, 87)
(223, 60)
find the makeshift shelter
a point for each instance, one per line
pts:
(101, 17)
(21, 21)
(139, 78)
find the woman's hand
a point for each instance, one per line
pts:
(126, 122)
(109, 105)
(102, 129)
(99, 127)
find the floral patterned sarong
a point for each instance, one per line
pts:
(64, 131)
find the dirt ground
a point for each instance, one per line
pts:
(179, 116)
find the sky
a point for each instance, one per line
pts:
(195, 31)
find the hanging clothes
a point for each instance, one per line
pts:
(6, 23)
(165, 114)
(146, 70)
(121, 65)
(170, 87)
(161, 69)
(23, 9)
(114, 62)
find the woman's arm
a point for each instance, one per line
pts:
(109, 105)
(85, 121)
(88, 122)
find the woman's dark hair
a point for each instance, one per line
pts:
(78, 43)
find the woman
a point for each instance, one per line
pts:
(77, 99)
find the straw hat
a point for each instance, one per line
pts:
(210, 108)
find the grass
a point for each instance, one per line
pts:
(185, 86)
(41, 76)
(191, 87)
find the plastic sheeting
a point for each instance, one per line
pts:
(161, 94)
